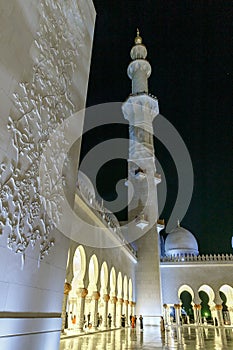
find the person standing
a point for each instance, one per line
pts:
(133, 321)
(88, 319)
(98, 319)
(141, 322)
(162, 326)
(109, 320)
(123, 321)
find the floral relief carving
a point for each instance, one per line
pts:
(39, 106)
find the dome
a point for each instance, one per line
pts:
(181, 241)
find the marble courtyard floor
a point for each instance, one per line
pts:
(188, 338)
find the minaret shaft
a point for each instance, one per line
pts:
(140, 109)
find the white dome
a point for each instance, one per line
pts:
(181, 241)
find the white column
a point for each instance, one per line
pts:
(95, 298)
(218, 308)
(71, 312)
(166, 312)
(67, 289)
(119, 312)
(197, 314)
(81, 293)
(131, 308)
(126, 302)
(177, 313)
(105, 316)
(230, 310)
(114, 301)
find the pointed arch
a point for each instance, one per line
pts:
(130, 290)
(79, 267)
(119, 285)
(125, 288)
(185, 288)
(113, 282)
(209, 291)
(104, 278)
(228, 291)
(93, 273)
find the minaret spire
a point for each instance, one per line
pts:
(138, 39)
(139, 69)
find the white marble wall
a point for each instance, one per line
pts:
(44, 68)
(195, 275)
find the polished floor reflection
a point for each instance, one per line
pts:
(188, 338)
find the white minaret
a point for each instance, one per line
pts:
(140, 109)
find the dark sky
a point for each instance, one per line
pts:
(190, 50)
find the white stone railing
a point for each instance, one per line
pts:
(202, 258)
(107, 218)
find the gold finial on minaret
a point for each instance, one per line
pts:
(138, 39)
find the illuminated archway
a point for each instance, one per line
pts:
(93, 272)
(104, 278)
(125, 288)
(226, 294)
(186, 296)
(79, 268)
(119, 285)
(113, 282)
(130, 290)
(207, 296)
(228, 291)
(186, 288)
(209, 291)
(103, 291)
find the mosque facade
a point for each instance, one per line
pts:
(52, 284)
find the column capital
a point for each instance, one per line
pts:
(114, 300)
(165, 306)
(120, 300)
(67, 288)
(96, 295)
(218, 307)
(82, 292)
(106, 297)
(197, 306)
(126, 302)
(177, 306)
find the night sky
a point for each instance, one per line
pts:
(190, 50)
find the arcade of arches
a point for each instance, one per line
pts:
(96, 295)
(206, 307)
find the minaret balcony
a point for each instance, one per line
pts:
(140, 174)
(141, 221)
(157, 178)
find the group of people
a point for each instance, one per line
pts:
(99, 320)
(133, 321)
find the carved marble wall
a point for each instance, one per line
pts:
(43, 96)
